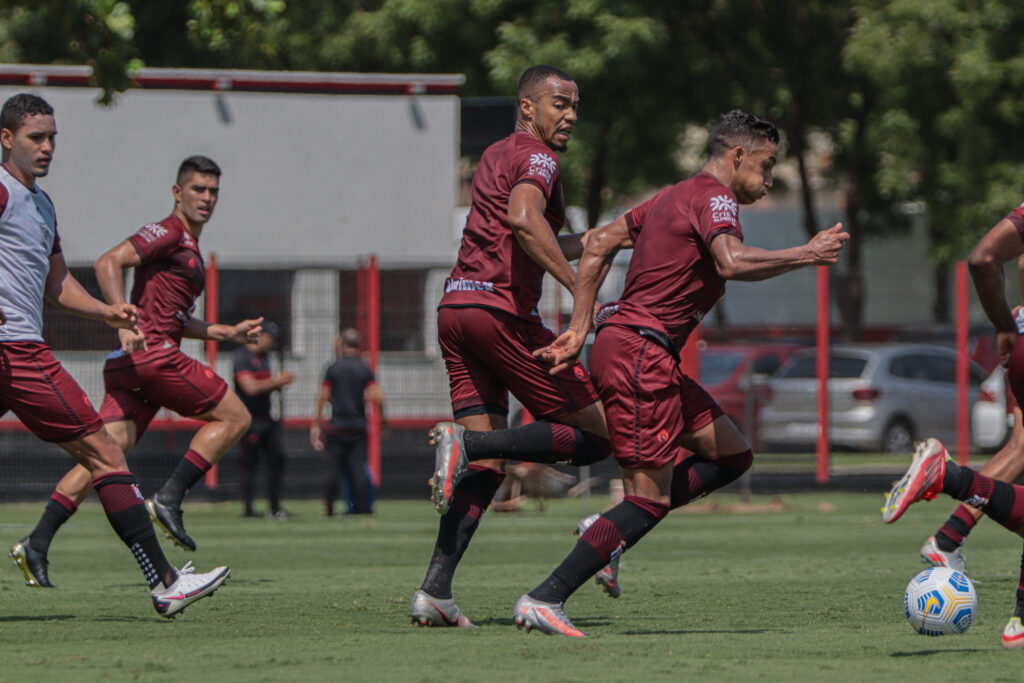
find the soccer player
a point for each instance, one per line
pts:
(687, 242)
(1003, 242)
(489, 327)
(34, 384)
(149, 371)
(932, 472)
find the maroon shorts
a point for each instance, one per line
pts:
(488, 353)
(649, 402)
(139, 384)
(45, 397)
(1015, 372)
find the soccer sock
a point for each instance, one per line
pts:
(952, 534)
(607, 538)
(126, 513)
(696, 477)
(189, 470)
(999, 500)
(58, 510)
(472, 495)
(541, 441)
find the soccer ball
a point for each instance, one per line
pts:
(940, 601)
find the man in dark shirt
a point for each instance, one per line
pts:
(255, 384)
(348, 385)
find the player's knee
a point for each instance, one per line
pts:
(590, 448)
(740, 462)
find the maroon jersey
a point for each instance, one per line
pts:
(672, 281)
(493, 270)
(172, 274)
(1017, 218)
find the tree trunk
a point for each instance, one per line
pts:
(850, 286)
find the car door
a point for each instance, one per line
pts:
(938, 391)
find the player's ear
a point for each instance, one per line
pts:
(737, 153)
(527, 107)
(6, 138)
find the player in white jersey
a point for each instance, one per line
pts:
(34, 385)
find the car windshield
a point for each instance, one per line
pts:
(840, 367)
(716, 366)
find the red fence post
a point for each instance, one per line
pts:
(373, 350)
(963, 429)
(212, 314)
(823, 328)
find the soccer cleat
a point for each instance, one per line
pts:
(188, 588)
(936, 557)
(922, 480)
(1013, 635)
(169, 518)
(427, 610)
(608, 577)
(32, 563)
(449, 462)
(547, 617)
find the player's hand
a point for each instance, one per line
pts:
(285, 378)
(120, 316)
(316, 437)
(132, 340)
(248, 331)
(826, 245)
(562, 352)
(1005, 341)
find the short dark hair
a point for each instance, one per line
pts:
(19, 107)
(197, 164)
(350, 338)
(740, 128)
(535, 76)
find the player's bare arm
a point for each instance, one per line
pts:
(737, 261)
(526, 204)
(63, 290)
(999, 245)
(316, 438)
(245, 332)
(251, 386)
(601, 246)
(110, 269)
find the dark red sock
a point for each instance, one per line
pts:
(999, 500)
(951, 535)
(127, 514)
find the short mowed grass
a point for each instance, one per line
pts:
(803, 587)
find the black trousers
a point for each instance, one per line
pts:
(265, 437)
(346, 457)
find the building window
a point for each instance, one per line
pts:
(245, 294)
(401, 306)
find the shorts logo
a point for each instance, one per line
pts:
(543, 165)
(208, 373)
(463, 285)
(724, 209)
(191, 263)
(578, 371)
(85, 400)
(662, 436)
(152, 232)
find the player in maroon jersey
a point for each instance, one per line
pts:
(149, 371)
(687, 242)
(489, 327)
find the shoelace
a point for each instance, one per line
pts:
(187, 569)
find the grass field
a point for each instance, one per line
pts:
(809, 589)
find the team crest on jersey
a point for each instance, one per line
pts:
(543, 165)
(724, 209)
(152, 232)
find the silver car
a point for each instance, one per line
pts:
(882, 398)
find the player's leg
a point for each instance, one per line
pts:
(720, 456)
(943, 549)
(355, 474)
(273, 447)
(248, 454)
(334, 454)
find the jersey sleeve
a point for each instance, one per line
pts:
(1017, 218)
(56, 248)
(154, 242)
(637, 216)
(717, 213)
(538, 165)
(240, 361)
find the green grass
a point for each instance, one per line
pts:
(811, 592)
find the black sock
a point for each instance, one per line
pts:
(696, 476)
(184, 477)
(614, 531)
(53, 517)
(541, 441)
(126, 513)
(472, 496)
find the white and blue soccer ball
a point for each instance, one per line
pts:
(940, 601)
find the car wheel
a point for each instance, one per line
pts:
(898, 437)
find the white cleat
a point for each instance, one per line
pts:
(1013, 635)
(187, 589)
(450, 463)
(427, 610)
(936, 557)
(608, 577)
(547, 617)
(922, 481)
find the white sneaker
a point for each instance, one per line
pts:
(187, 589)
(608, 577)
(936, 557)
(1013, 635)
(426, 610)
(450, 463)
(547, 617)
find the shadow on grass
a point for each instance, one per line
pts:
(42, 617)
(691, 632)
(929, 653)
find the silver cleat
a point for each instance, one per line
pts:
(450, 463)
(426, 610)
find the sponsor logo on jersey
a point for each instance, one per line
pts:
(152, 232)
(464, 285)
(543, 165)
(724, 209)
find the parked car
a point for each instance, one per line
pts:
(882, 397)
(736, 375)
